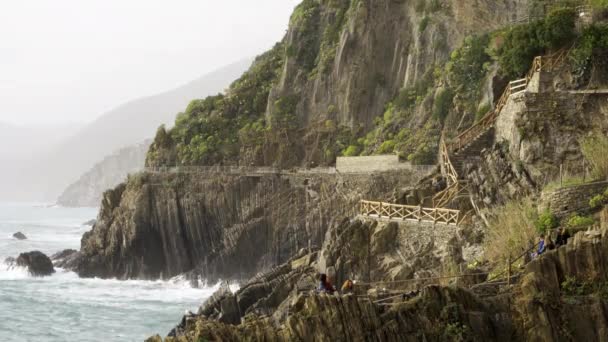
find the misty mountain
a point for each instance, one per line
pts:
(106, 174)
(48, 174)
(23, 142)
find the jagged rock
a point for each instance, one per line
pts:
(67, 259)
(90, 223)
(225, 226)
(37, 263)
(381, 251)
(19, 236)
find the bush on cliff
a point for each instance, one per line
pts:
(511, 230)
(546, 221)
(213, 129)
(524, 42)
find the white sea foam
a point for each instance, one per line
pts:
(78, 309)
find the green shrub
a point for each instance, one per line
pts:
(546, 221)
(592, 45)
(578, 221)
(524, 42)
(424, 23)
(387, 146)
(351, 151)
(442, 104)
(510, 231)
(597, 201)
(466, 66)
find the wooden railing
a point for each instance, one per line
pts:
(441, 199)
(517, 86)
(446, 164)
(401, 212)
(545, 63)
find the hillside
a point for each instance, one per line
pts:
(106, 174)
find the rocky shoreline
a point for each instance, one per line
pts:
(280, 306)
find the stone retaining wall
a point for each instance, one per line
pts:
(377, 164)
(565, 201)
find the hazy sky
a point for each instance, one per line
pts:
(71, 60)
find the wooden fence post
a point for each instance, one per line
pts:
(509, 270)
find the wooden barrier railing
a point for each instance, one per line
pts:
(401, 212)
(444, 197)
(446, 164)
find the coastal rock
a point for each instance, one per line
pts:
(19, 236)
(37, 263)
(90, 223)
(560, 294)
(227, 227)
(67, 259)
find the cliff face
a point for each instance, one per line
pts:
(220, 226)
(112, 170)
(561, 296)
(331, 78)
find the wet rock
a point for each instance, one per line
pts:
(67, 259)
(19, 236)
(37, 263)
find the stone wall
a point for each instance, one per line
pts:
(568, 200)
(377, 164)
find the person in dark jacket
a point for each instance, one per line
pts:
(325, 285)
(562, 237)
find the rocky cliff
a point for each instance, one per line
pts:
(108, 173)
(561, 296)
(342, 66)
(220, 226)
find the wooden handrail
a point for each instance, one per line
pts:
(402, 212)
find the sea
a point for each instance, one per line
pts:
(64, 307)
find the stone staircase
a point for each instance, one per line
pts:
(471, 151)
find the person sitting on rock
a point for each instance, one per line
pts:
(562, 237)
(541, 246)
(325, 285)
(549, 243)
(347, 287)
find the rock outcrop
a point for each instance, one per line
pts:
(222, 226)
(561, 296)
(37, 263)
(68, 259)
(20, 236)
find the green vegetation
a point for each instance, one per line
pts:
(566, 181)
(512, 228)
(579, 222)
(467, 69)
(424, 23)
(546, 221)
(212, 130)
(592, 45)
(598, 201)
(305, 22)
(595, 150)
(442, 104)
(524, 42)
(572, 286)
